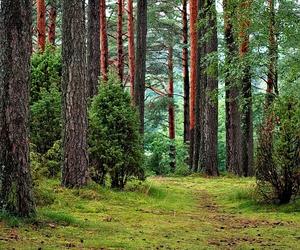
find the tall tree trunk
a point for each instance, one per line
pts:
(15, 44)
(233, 119)
(266, 134)
(41, 24)
(52, 22)
(120, 40)
(199, 149)
(186, 79)
(272, 81)
(193, 73)
(140, 60)
(93, 47)
(103, 40)
(75, 163)
(247, 114)
(171, 110)
(131, 52)
(210, 130)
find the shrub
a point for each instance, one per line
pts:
(45, 122)
(278, 154)
(114, 138)
(46, 70)
(48, 164)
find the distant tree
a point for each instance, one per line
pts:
(193, 76)
(93, 47)
(140, 60)
(75, 155)
(246, 88)
(41, 24)
(120, 40)
(233, 116)
(185, 66)
(15, 44)
(131, 49)
(103, 40)
(210, 116)
(171, 109)
(52, 21)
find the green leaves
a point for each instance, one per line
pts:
(115, 142)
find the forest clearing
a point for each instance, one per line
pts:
(163, 213)
(149, 124)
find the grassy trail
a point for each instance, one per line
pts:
(163, 213)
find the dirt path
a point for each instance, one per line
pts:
(229, 227)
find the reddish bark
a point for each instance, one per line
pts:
(103, 40)
(120, 40)
(193, 70)
(52, 22)
(193, 73)
(171, 110)
(185, 66)
(41, 24)
(131, 51)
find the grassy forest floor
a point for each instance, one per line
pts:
(163, 213)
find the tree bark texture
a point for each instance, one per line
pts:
(233, 117)
(52, 22)
(103, 40)
(75, 156)
(131, 51)
(171, 110)
(140, 60)
(272, 82)
(193, 73)
(201, 83)
(247, 114)
(15, 51)
(120, 40)
(210, 130)
(41, 24)
(185, 67)
(93, 47)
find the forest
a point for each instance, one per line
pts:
(149, 124)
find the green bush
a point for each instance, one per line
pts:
(45, 122)
(46, 70)
(158, 157)
(278, 154)
(115, 142)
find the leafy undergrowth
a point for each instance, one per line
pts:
(163, 213)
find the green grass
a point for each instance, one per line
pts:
(163, 213)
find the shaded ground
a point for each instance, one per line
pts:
(164, 213)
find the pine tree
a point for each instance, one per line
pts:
(41, 24)
(171, 109)
(52, 22)
(210, 123)
(193, 75)
(185, 67)
(233, 117)
(103, 40)
(15, 43)
(120, 40)
(131, 51)
(75, 161)
(140, 60)
(93, 47)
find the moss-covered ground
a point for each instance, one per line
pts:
(163, 213)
